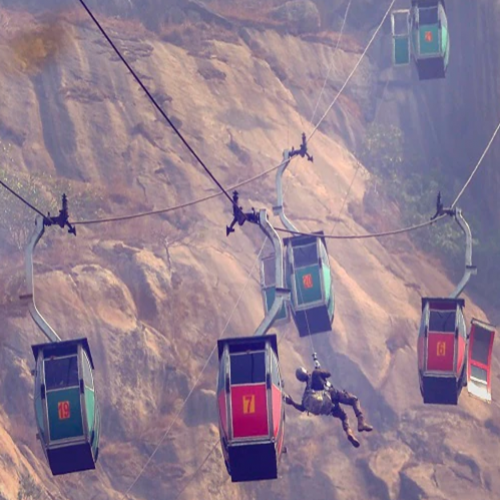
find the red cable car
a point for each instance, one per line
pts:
(251, 410)
(448, 358)
(441, 350)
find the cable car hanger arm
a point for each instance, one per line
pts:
(470, 269)
(281, 294)
(279, 209)
(456, 213)
(40, 222)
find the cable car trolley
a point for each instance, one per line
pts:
(249, 386)
(421, 32)
(448, 358)
(307, 266)
(66, 410)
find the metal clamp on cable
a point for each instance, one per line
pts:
(302, 151)
(240, 217)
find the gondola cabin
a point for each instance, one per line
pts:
(250, 406)
(268, 288)
(442, 350)
(479, 360)
(423, 33)
(66, 410)
(310, 279)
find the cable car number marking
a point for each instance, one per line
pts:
(441, 349)
(63, 410)
(307, 281)
(249, 404)
(428, 36)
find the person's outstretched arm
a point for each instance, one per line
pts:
(290, 401)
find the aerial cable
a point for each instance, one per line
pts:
(198, 378)
(331, 64)
(198, 469)
(19, 197)
(358, 166)
(477, 166)
(351, 74)
(368, 235)
(177, 207)
(155, 103)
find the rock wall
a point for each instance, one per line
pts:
(154, 294)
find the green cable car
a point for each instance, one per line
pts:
(422, 32)
(66, 410)
(312, 300)
(307, 268)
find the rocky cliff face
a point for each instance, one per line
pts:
(154, 294)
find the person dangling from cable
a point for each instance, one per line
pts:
(321, 398)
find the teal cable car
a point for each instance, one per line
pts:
(310, 280)
(66, 409)
(307, 268)
(422, 33)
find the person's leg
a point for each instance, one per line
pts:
(338, 412)
(347, 398)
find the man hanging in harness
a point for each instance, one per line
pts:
(321, 398)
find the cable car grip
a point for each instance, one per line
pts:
(240, 217)
(302, 151)
(62, 219)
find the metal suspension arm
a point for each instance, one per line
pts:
(30, 285)
(282, 295)
(279, 209)
(469, 268)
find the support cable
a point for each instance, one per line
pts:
(153, 100)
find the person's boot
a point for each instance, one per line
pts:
(362, 425)
(352, 438)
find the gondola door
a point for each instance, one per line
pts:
(479, 360)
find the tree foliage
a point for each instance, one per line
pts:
(399, 175)
(28, 488)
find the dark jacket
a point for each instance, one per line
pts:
(319, 378)
(317, 383)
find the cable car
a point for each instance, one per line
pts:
(479, 360)
(448, 358)
(442, 350)
(66, 409)
(422, 32)
(250, 404)
(307, 267)
(249, 385)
